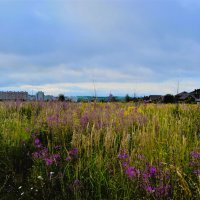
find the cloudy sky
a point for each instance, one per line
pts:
(120, 46)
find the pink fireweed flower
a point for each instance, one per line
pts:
(197, 172)
(122, 155)
(37, 141)
(68, 158)
(49, 161)
(56, 156)
(153, 170)
(125, 165)
(149, 189)
(195, 154)
(73, 152)
(132, 172)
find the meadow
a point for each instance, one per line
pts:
(61, 150)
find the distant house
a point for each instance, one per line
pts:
(191, 97)
(197, 101)
(155, 98)
(181, 94)
(186, 96)
(196, 93)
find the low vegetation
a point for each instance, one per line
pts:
(63, 150)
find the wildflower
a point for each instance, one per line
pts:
(31, 188)
(68, 158)
(197, 172)
(22, 193)
(37, 141)
(57, 147)
(149, 189)
(122, 155)
(35, 154)
(51, 173)
(131, 172)
(125, 165)
(73, 152)
(19, 187)
(153, 170)
(195, 154)
(49, 161)
(56, 156)
(40, 178)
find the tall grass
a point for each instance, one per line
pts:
(65, 150)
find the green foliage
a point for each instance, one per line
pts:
(61, 97)
(169, 98)
(127, 98)
(63, 150)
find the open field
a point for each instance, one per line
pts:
(65, 150)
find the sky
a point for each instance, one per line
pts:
(74, 47)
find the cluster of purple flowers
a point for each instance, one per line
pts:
(84, 120)
(155, 180)
(42, 153)
(195, 162)
(152, 179)
(124, 159)
(195, 154)
(53, 120)
(72, 153)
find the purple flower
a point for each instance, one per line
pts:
(37, 141)
(57, 147)
(149, 189)
(49, 161)
(197, 172)
(68, 158)
(125, 165)
(195, 154)
(36, 154)
(56, 156)
(193, 164)
(153, 170)
(132, 172)
(73, 152)
(84, 120)
(122, 155)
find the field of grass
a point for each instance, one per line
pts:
(55, 150)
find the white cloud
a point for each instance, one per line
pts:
(116, 88)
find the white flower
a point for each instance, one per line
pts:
(39, 177)
(51, 173)
(22, 193)
(32, 188)
(19, 187)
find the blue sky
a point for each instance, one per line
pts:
(135, 46)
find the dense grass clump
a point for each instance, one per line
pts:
(59, 150)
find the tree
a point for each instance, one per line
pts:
(169, 98)
(61, 97)
(127, 98)
(111, 98)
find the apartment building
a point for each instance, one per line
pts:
(10, 95)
